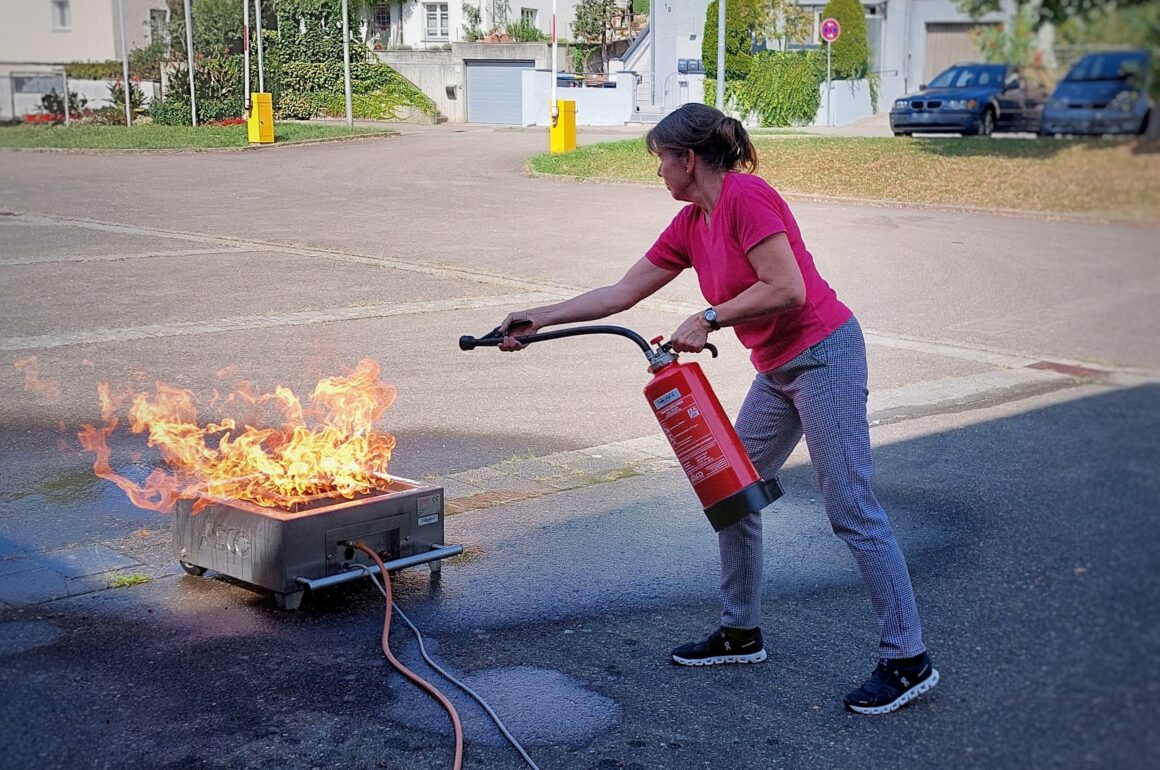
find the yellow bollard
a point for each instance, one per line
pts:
(260, 121)
(562, 134)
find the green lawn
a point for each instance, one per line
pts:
(1114, 179)
(151, 137)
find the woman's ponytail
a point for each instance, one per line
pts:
(719, 140)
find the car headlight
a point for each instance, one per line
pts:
(960, 104)
(902, 104)
(1124, 102)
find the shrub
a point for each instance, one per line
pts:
(52, 103)
(782, 87)
(525, 32)
(851, 51)
(170, 112)
(740, 21)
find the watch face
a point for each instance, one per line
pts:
(711, 317)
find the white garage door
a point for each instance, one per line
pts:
(495, 91)
(948, 44)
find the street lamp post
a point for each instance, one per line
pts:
(189, 61)
(124, 66)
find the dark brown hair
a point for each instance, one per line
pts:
(717, 139)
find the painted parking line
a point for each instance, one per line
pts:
(44, 260)
(248, 323)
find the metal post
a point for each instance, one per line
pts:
(346, 61)
(246, 53)
(189, 61)
(829, 85)
(261, 50)
(554, 108)
(721, 55)
(124, 66)
(67, 116)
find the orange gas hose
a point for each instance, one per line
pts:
(455, 723)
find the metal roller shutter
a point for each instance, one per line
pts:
(495, 91)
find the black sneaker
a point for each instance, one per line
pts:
(722, 646)
(892, 685)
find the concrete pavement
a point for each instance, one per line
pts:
(1013, 415)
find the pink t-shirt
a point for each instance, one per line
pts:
(747, 212)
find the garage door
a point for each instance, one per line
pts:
(948, 44)
(495, 91)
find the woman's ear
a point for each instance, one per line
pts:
(690, 162)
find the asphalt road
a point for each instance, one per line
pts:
(1015, 402)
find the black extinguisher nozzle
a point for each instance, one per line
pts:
(467, 342)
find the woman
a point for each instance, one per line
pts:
(740, 238)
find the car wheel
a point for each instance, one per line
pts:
(1144, 123)
(986, 122)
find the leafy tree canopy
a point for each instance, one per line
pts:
(1054, 11)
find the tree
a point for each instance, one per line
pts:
(595, 21)
(742, 19)
(851, 52)
(1055, 11)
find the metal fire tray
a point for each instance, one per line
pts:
(307, 544)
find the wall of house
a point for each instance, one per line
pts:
(594, 106)
(904, 37)
(27, 33)
(678, 30)
(442, 74)
(409, 20)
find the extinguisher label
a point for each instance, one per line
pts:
(698, 452)
(666, 399)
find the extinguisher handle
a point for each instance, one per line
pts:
(711, 348)
(494, 337)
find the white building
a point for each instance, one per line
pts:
(37, 36)
(910, 42)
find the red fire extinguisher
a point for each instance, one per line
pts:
(693, 421)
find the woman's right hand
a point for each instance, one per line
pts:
(520, 322)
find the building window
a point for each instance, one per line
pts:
(61, 16)
(159, 26)
(528, 16)
(437, 26)
(383, 18)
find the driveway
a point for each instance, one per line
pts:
(1014, 408)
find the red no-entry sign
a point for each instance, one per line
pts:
(830, 30)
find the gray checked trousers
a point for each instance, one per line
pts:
(821, 393)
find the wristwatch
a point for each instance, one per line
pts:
(710, 316)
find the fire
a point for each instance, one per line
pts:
(328, 448)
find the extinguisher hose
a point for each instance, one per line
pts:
(495, 337)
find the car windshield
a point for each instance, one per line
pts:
(1108, 66)
(969, 77)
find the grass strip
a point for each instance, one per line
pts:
(154, 137)
(1112, 179)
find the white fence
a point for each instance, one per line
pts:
(594, 106)
(849, 100)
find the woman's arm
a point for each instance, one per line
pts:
(779, 287)
(642, 280)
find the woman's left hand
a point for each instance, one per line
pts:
(691, 336)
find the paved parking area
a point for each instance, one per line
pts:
(1012, 412)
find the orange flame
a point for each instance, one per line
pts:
(341, 455)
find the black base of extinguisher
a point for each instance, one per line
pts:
(738, 505)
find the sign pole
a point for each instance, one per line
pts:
(124, 66)
(829, 85)
(189, 61)
(246, 54)
(830, 32)
(720, 55)
(346, 62)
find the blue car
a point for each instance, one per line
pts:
(972, 99)
(1104, 93)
